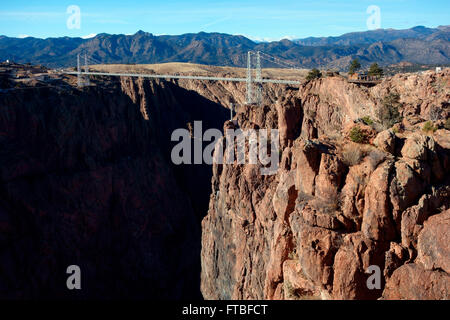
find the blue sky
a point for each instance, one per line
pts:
(259, 20)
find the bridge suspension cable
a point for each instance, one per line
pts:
(254, 82)
(279, 61)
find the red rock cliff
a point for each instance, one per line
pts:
(335, 207)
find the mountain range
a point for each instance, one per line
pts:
(419, 45)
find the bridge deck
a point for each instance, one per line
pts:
(167, 76)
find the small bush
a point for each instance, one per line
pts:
(367, 120)
(429, 127)
(313, 74)
(435, 113)
(357, 135)
(326, 205)
(352, 155)
(388, 112)
(375, 70)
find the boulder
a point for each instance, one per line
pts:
(296, 285)
(405, 189)
(330, 177)
(412, 282)
(416, 146)
(316, 248)
(351, 263)
(377, 222)
(434, 243)
(394, 258)
(385, 141)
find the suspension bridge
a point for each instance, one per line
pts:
(254, 79)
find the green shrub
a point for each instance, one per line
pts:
(367, 120)
(388, 112)
(313, 74)
(354, 66)
(375, 70)
(429, 127)
(357, 135)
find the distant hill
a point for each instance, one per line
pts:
(418, 45)
(372, 36)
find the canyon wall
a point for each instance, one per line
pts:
(86, 179)
(335, 208)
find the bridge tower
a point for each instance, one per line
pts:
(82, 80)
(249, 78)
(258, 97)
(86, 69)
(254, 96)
(79, 78)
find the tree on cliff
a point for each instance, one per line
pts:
(375, 70)
(354, 66)
(313, 74)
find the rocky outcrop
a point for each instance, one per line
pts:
(428, 277)
(335, 211)
(385, 141)
(433, 243)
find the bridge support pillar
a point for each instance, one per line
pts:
(79, 78)
(254, 96)
(258, 97)
(249, 78)
(86, 69)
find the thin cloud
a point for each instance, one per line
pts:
(24, 14)
(216, 22)
(111, 21)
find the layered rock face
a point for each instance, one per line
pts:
(335, 210)
(86, 179)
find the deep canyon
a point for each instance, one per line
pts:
(86, 178)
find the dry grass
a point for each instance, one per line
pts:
(352, 154)
(292, 293)
(329, 205)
